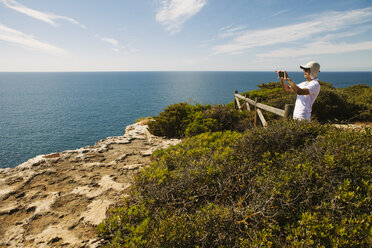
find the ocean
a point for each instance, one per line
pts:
(41, 113)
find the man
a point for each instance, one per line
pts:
(306, 91)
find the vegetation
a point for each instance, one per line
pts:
(292, 184)
(186, 120)
(359, 96)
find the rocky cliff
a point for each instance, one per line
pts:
(57, 199)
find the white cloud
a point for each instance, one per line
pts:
(116, 46)
(27, 41)
(317, 49)
(110, 41)
(49, 18)
(322, 23)
(250, 39)
(224, 32)
(280, 12)
(173, 13)
(230, 30)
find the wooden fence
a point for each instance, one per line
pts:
(286, 113)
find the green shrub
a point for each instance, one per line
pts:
(360, 96)
(200, 124)
(279, 137)
(325, 85)
(126, 226)
(293, 184)
(350, 104)
(174, 120)
(229, 118)
(359, 93)
(330, 106)
(185, 120)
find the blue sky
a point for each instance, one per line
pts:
(178, 35)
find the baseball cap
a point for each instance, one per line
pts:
(314, 68)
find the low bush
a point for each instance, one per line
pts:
(229, 118)
(185, 120)
(174, 120)
(293, 184)
(331, 105)
(349, 104)
(360, 96)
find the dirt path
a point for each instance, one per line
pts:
(56, 200)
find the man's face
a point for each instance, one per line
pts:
(307, 73)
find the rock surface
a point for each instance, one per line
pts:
(56, 200)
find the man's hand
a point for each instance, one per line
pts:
(285, 86)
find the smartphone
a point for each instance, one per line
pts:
(281, 74)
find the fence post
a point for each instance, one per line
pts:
(246, 103)
(255, 111)
(235, 105)
(288, 109)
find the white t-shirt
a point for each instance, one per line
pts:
(304, 103)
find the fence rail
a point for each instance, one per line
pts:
(258, 106)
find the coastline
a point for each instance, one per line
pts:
(57, 199)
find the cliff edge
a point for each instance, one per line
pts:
(57, 199)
